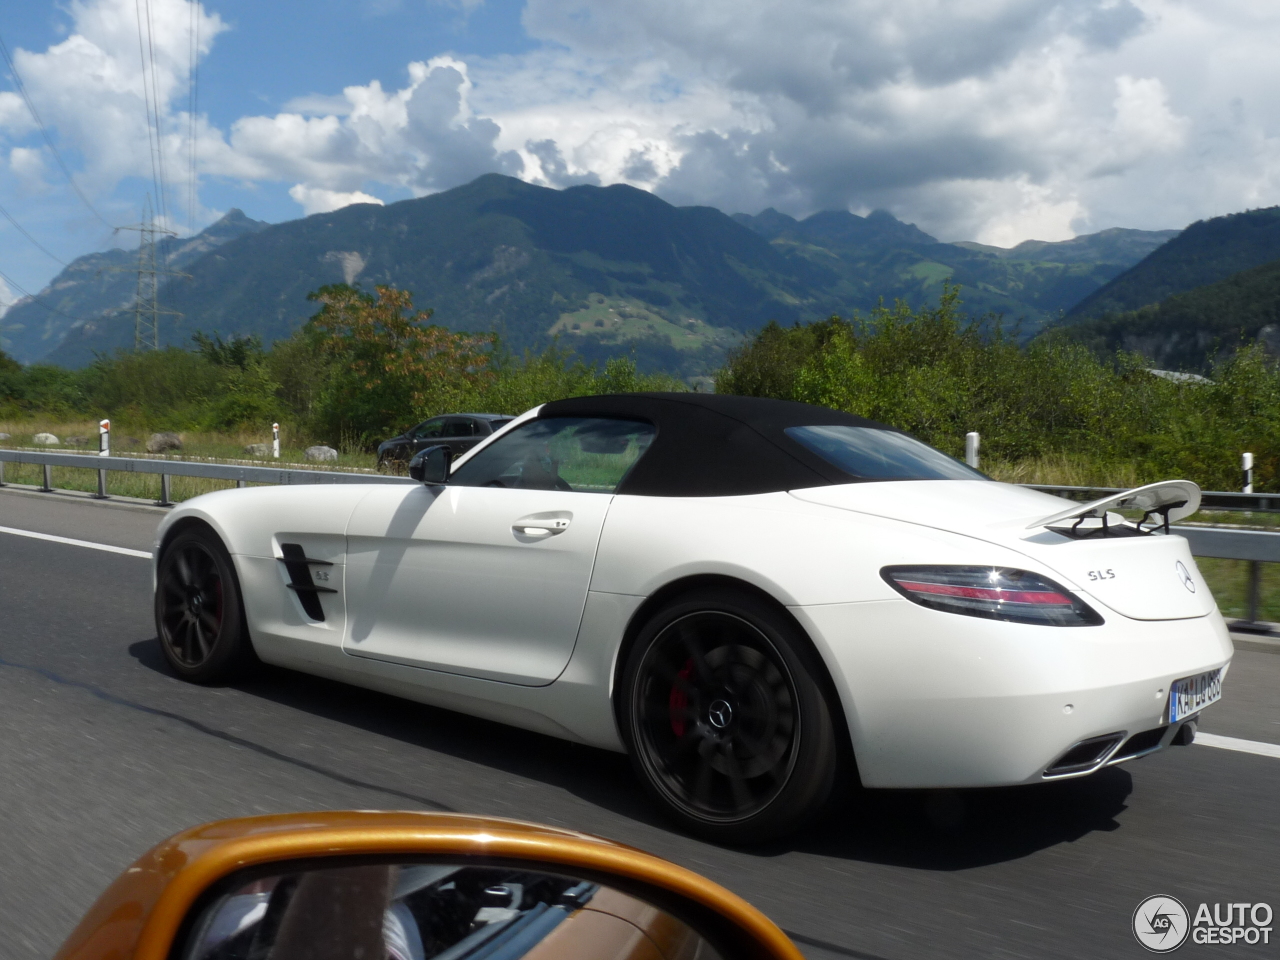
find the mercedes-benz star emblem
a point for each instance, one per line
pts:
(1185, 576)
(720, 714)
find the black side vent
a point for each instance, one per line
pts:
(299, 566)
(1085, 755)
(1141, 743)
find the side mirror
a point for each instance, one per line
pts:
(413, 886)
(431, 464)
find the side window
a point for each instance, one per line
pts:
(428, 429)
(585, 454)
(459, 427)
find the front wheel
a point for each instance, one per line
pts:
(199, 615)
(725, 718)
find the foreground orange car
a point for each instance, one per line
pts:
(413, 886)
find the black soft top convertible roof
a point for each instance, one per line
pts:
(711, 445)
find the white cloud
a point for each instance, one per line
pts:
(993, 119)
(28, 166)
(980, 118)
(319, 200)
(423, 138)
(90, 87)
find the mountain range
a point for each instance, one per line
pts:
(1200, 296)
(96, 288)
(1204, 253)
(605, 269)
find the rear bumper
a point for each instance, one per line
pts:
(934, 699)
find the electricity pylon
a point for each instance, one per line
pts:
(146, 308)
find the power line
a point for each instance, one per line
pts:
(44, 131)
(161, 197)
(17, 226)
(193, 102)
(146, 95)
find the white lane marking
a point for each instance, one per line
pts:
(1244, 746)
(105, 547)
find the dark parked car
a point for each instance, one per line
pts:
(461, 431)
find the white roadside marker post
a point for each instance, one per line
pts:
(971, 443)
(275, 440)
(104, 450)
(1255, 566)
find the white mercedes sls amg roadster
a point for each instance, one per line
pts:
(747, 596)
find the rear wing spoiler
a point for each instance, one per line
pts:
(1168, 500)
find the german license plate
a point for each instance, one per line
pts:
(1194, 694)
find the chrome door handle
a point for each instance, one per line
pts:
(540, 528)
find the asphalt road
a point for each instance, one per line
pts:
(103, 753)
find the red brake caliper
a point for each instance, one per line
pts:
(679, 700)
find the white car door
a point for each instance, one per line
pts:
(488, 575)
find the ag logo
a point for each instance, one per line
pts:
(1185, 576)
(1161, 923)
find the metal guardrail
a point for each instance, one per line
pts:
(1213, 499)
(1227, 544)
(181, 468)
(1255, 546)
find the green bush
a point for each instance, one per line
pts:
(938, 375)
(41, 388)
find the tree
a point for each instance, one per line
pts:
(391, 364)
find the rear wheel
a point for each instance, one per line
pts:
(199, 614)
(726, 720)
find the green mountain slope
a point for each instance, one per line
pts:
(1117, 245)
(879, 256)
(1186, 330)
(95, 286)
(1206, 252)
(608, 270)
(501, 254)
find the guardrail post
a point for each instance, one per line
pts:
(1255, 588)
(48, 479)
(164, 490)
(1, 473)
(102, 486)
(239, 484)
(971, 442)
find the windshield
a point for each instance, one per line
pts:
(874, 454)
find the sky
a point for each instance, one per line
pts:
(989, 120)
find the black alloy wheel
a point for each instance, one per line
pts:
(199, 615)
(726, 720)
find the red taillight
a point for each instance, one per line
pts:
(997, 593)
(983, 593)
